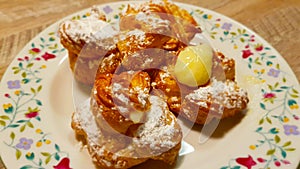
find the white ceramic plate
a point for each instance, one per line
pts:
(36, 104)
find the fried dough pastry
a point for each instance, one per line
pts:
(221, 99)
(179, 97)
(182, 24)
(130, 117)
(223, 67)
(163, 18)
(87, 40)
(123, 99)
(131, 126)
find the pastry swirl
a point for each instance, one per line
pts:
(131, 115)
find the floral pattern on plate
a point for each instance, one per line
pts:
(276, 127)
(23, 109)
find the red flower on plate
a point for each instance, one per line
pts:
(261, 160)
(277, 163)
(48, 56)
(32, 114)
(247, 53)
(63, 164)
(259, 47)
(246, 161)
(35, 50)
(269, 95)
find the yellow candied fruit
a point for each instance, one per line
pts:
(194, 65)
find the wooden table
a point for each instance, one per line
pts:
(276, 21)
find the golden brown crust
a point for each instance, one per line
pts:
(134, 92)
(223, 67)
(174, 93)
(219, 99)
(119, 96)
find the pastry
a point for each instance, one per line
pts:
(88, 40)
(143, 75)
(121, 136)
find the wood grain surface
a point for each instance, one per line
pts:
(277, 21)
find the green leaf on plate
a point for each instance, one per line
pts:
(273, 130)
(21, 121)
(38, 102)
(272, 57)
(30, 65)
(289, 149)
(294, 96)
(18, 154)
(39, 88)
(26, 167)
(38, 80)
(13, 125)
(17, 71)
(283, 153)
(287, 144)
(295, 91)
(284, 79)
(261, 121)
(259, 129)
(57, 147)
(25, 81)
(22, 128)
(4, 117)
(57, 157)
(263, 106)
(29, 124)
(40, 162)
(277, 139)
(48, 159)
(271, 152)
(46, 154)
(269, 120)
(33, 90)
(24, 74)
(12, 135)
(224, 167)
(51, 39)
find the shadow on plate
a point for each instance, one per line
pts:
(224, 126)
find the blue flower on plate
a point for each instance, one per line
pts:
(14, 84)
(24, 143)
(291, 130)
(107, 9)
(226, 26)
(274, 72)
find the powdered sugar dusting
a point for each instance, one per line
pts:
(224, 93)
(159, 25)
(92, 28)
(155, 132)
